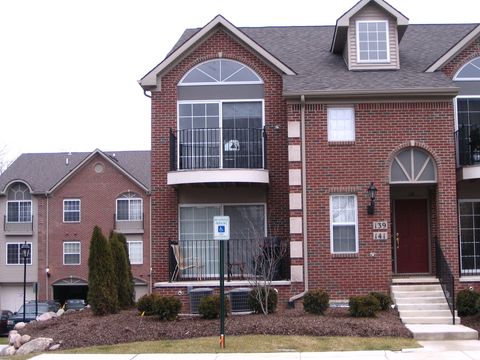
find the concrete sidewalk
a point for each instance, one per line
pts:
(435, 350)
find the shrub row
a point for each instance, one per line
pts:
(368, 305)
(468, 302)
(165, 307)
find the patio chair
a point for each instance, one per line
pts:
(183, 263)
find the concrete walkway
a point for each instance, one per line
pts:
(435, 350)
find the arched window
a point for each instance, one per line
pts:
(19, 203)
(469, 71)
(219, 72)
(129, 207)
(413, 165)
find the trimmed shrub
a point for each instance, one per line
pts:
(466, 302)
(209, 306)
(258, 297)
(384, 300)
(166, 307)
(123, 273)
(363, 306)
(316, 301)
(145, 304)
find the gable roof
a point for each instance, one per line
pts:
(44, 172)
(343, 22)
(150, 79)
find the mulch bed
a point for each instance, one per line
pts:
(472, 321)
(80, 329)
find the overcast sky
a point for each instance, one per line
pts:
(69, 69)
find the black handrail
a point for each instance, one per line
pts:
(446, 278)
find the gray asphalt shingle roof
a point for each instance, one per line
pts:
(306, 50)
(43, 170)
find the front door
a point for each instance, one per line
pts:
(411, 237)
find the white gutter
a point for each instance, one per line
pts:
(304, 203)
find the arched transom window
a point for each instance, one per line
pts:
(219, 72)
(470, 71)
(129, 207)
(413, 165)
(19, 203)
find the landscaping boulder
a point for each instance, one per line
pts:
(25, 338)
(60, 312)
(8, 351)
(19, 326)
(44, 317)
(54, 347)
(17, 341)
(12, 337)
(35, 345)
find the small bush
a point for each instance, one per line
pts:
(209, 306)
(167, 307)
(466, 302)
(258, 295)
(316, 302)
(145, 304)
(363, 306)
(384, 300)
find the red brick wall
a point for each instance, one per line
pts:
(381, 131)
(98, 193)
(164, 117)
(470, 53)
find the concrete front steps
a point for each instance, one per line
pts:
(425, 312)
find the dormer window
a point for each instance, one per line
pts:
(372, 41)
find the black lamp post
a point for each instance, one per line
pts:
(372, 192)
(25, 253)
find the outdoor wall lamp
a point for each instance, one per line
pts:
(47, 271)
(25, 253)
(372, 192)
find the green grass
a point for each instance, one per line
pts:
(3, 340)
(252, 343)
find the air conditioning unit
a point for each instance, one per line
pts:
(239, 300)
(196, 295)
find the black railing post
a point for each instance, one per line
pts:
(264, 133)
(173, 151)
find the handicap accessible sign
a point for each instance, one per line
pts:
(221, 227)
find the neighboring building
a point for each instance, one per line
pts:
(53, 201)
(285, 128)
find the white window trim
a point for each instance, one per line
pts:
(128, 199)
(349, 223)
(357, 35)
(455, 77)
(129, 242)
(71, 211)
(330, 131)
(472, 272)
(19, 244)
(19, 201)
(79, 252)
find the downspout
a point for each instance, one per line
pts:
(46, 248)
(150, 286)
(304, 203)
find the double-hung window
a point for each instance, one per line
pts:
(372, 41)
(19, 204)
(71, 253)
(71, 210)
(343, 224)
(135, 252)
(341, 124)
(14, 255)
(129, 207)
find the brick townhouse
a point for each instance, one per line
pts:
(353, 143)
(52, 202)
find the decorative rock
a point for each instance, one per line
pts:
(20, 325)
(44, 317)
(12, 338)
(25, 338)
(8, 351)
(18, 341)
(35, 345)
(60, 312)
(54, 347)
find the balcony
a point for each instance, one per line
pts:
(245, 259)
(467, 140)
(128, 226)
(217, 155)
(17, 228)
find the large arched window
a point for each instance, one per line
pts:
(413, 165)
(220, 117)
(19, 203)
(129, 207)
(469, 71)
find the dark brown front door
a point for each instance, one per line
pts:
(411, 225)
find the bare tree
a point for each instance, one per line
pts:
(3, 161)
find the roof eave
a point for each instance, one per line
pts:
(446, 92)
(149, 81)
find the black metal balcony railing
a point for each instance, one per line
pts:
(244, 259)
(467, 140)
(445, 276)
(24, 227)
(128, 226)
(217, 148)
